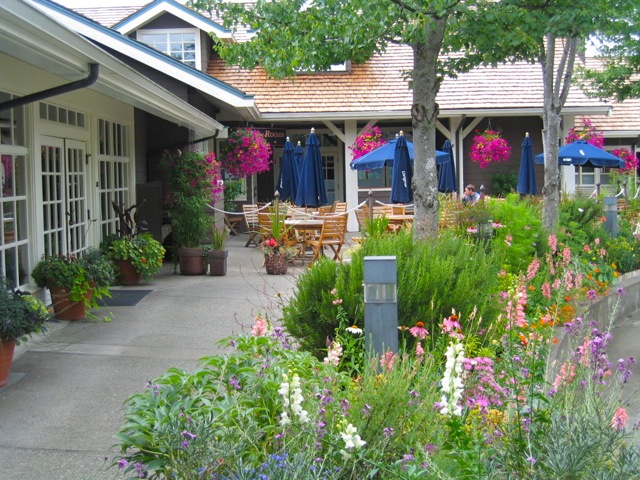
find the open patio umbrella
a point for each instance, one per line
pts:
(401, 191)
(384, 155)
(288, 179)
(447, 179)
(527, 175)
(311, 189)
(583, 153)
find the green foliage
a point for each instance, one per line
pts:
(21, 314)
(92, 272)
(232, 188)
(518, 231)
(503, 183)
(189, 179)
(219, 237)
(434, 276)
(144, 252)
(580, 220)
(623, 252)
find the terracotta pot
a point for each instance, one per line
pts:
(276, 264)
(128, 275)
(65, 309)
(218, 262)
(7, 347)
(192, 261)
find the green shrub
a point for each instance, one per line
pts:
(434, 276)
(503, 184)
(518, 232)
(623, 252)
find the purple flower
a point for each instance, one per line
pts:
(387, 432)
(122, 464)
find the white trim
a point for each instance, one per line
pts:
(145, 16)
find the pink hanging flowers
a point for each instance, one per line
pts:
(367, 141)
(631, 161)
(489, 146)
(246, 153)
(587, 132)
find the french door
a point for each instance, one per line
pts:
(64, 196)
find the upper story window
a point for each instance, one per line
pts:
(181, 44)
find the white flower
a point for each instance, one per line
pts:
(355, 330)
(351, 438)
(452, 385)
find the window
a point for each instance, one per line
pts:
(14, 236)
(113, 183)
(179, 43)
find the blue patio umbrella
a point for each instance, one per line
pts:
(288, 179)
(401, 191)
(384, 155)
(527, 175)
(583, 153)
(447, 179)
(311, 189)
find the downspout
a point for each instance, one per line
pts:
(94, 71)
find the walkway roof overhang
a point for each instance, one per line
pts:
(406, 115)
(33, 37)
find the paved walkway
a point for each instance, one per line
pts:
(62, 407)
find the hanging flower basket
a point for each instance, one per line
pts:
(246, 153)
(587, 132)
(367, 141)
(488, 147)
(631, 161)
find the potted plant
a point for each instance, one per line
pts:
(217, 254)
(274, 244)
(75, 283)
(194, 183)
(21, 315)
(135, 252)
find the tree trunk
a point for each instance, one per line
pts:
(424, 114)
(557, 81)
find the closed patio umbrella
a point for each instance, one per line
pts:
(401, 191)
(447, 180)
(288, 179)
(311, 188)
(583, 153)
(527, 176)
(298, 157)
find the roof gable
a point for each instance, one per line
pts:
(147, 55)
(160, 7)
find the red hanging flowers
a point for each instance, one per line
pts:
(489, 146)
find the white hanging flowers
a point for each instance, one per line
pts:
(452, 386)
(352, 441)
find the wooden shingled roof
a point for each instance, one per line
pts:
(378, 85)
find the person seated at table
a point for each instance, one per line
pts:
(470, 196)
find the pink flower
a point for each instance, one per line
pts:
(260, 328)
(533, 268)
(419, 331)
(419, 350)
(553, 243)
(386, 361)
(619, 419)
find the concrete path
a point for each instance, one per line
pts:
(62, 407)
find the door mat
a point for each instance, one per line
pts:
(124, 298)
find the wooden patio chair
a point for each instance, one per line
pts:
(332, 235)
(251, 219)
(339, 207)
